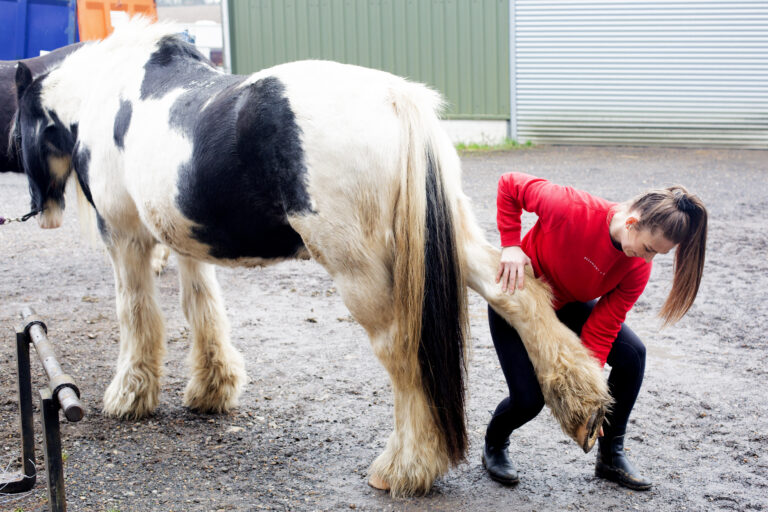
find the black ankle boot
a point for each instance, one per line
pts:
(496, 461)
(613, 464)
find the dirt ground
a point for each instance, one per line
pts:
(318, 407)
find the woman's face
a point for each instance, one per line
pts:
(644, 243)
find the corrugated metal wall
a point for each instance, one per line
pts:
(641, 72)
(460, 47)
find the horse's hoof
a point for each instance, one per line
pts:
(588, 433)
(378, 483)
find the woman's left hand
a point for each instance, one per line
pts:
(511, 271)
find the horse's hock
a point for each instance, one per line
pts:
(61, 394)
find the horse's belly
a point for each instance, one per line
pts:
(223, 236)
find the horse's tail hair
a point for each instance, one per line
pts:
(430, 292)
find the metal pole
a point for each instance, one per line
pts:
(25, 408)
(54, 463)
(62, 386)
(24, 481)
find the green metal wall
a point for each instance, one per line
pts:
(460, 47)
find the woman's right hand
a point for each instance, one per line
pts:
(512, 268)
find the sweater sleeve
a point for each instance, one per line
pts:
(517, 192)
(604, 323)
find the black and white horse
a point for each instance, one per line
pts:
(317, 159)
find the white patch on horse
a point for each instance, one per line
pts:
(154, 153)
(52, 215)
(60, 166)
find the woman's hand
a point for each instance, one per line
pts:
(512, 268)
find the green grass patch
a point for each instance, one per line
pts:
(507, 145)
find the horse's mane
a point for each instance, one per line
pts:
(137, 32)
(130, 45)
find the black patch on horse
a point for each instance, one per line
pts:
(122, 122)
(247, 171)
(174, 64)
(81, 160)
(59, 136)
(103, 229)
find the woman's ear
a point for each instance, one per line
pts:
(631, 221)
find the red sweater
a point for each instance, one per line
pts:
(570, 247)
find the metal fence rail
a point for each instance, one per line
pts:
(61, 393)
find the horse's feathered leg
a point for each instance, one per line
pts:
(414, 455)
(218, 372)
(133, 392)
(570, 379)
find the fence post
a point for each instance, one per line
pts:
(54, 463)
(61, 393)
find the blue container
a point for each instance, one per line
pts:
(28, 27)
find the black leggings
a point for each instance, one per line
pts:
(627, 360)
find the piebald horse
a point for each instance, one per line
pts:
(339, 163)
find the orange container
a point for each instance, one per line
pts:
(96, 19)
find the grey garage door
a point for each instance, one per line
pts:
(647, 72)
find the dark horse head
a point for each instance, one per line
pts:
(44, 145)
(9, 161)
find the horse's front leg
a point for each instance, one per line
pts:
(133, 392)
(218, 372)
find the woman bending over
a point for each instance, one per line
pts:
(596, 256)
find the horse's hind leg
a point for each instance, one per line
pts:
(571, 380)
(414, 455)
(218, 372)
(133, 392)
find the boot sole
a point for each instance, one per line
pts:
(608, 473)
(505, 481)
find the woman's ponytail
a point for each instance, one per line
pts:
(682, 218)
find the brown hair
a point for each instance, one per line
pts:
(682, 219)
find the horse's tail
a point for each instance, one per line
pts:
(430, 292)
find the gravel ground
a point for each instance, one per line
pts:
(318, 407)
